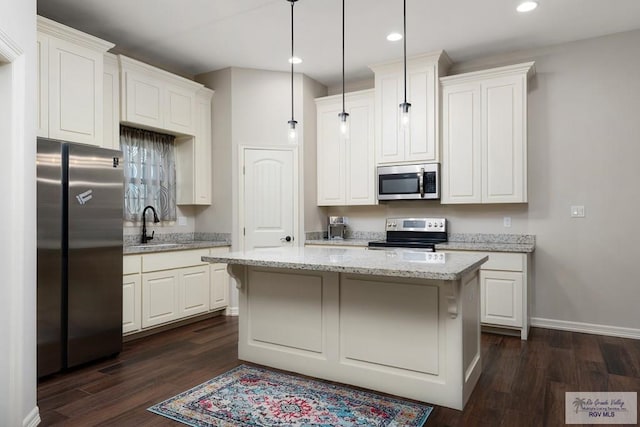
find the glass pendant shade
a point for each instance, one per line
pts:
(344, 124)
(292, 132)
(405, 115)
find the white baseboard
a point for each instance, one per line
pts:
(33, 419)
(587, 328)
(231, 311)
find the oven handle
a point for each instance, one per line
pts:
(421, 180)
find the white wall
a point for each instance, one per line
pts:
(584, 146)
(217, 217)
(18, 220)
(315, 218)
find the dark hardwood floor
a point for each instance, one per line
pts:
(522, 383)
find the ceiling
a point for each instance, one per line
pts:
(196, 36)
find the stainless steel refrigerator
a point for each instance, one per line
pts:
(80, 198)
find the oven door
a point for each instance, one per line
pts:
(409, 182)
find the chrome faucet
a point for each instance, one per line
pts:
(146, 238)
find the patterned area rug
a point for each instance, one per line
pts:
(250, 396)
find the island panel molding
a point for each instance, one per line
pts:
(286, 313)
(372, 330)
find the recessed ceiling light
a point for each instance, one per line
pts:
(295, 60)
(527, 6)
(394, 37)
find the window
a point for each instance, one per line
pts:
(149, 173)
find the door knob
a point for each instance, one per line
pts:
(286, 239)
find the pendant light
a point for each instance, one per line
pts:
(293, 132)
(344, 116)
(405, 106)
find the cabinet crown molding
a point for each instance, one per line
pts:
(53, 28)
(439, 57)
(127, 63)
(205, 93)
(351, 95)
(525, 68)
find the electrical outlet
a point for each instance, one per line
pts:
(577, 211)
(506, 221)
(182, 220)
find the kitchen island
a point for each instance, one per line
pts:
(401, 322)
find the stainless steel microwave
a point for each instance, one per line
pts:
(409, 182)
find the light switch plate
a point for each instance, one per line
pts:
(577, 211)
(182, 220)
(506, 221)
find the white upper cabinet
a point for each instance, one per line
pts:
(484, 138)
(111, 102)
(70, 86)
(193, 156)
(153, 98)
(346, 166)
(419, 142)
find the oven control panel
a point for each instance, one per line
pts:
(416, 224)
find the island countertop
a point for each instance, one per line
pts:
(390, 263)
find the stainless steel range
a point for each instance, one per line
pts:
(413, 233)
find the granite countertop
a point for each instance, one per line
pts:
(517, 243)
(338, 242)
(391, 263)
(163, 246)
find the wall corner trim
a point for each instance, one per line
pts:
(32, 419)
(587, 328)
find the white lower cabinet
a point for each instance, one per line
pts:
(219, 292)
(504, 291)
(131, 294)
(160, 288)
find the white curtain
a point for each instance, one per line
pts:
(149, 173)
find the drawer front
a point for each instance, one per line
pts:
(170, 260)
(219, 250)
(506, 261)
(131, 264)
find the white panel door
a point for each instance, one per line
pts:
(331, 157)
(144, 100)
(360, 151)
(203, 160)
(131, 303)
(420, 140)
(75, 93)
(390, 140)
(503, 156)
(219, 296)
(501, 298)
(461, 144)
(194, 290)
(160, 297)
(268, 198)
(180, 105)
